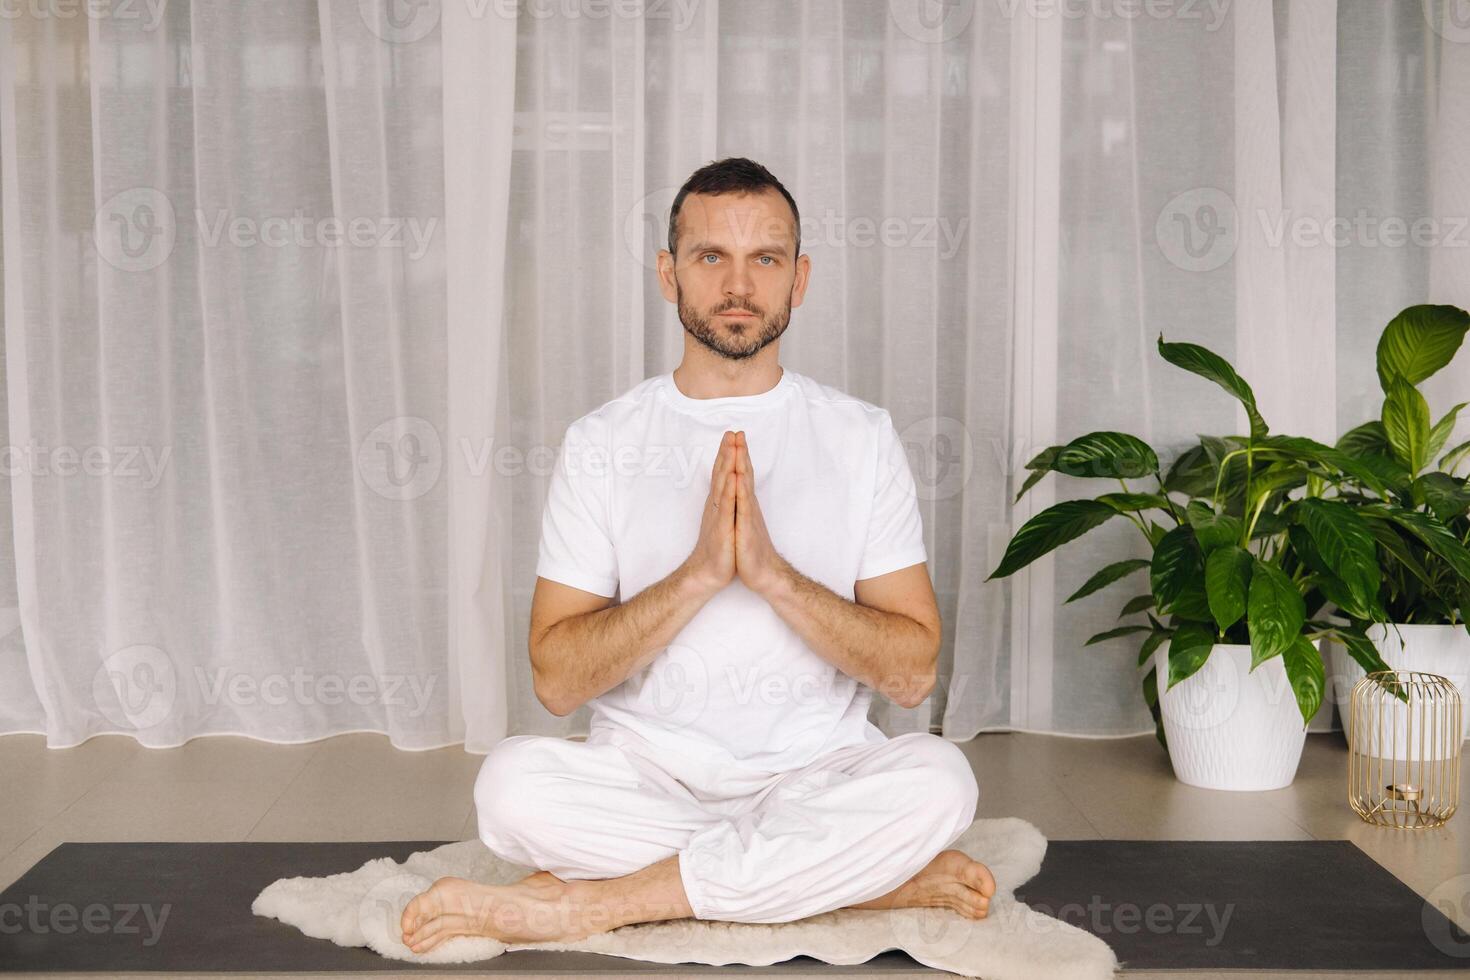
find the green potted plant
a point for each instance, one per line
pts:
(1420, 524)
(1231, 631)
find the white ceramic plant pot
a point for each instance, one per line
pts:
(1230, 727)
(1442, 650)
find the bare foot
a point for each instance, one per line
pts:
(953, 880)
(537, 908)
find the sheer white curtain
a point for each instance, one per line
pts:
(317, 461)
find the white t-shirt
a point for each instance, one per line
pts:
(737, 686)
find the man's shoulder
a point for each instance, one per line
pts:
(841, 405)
(597, 423)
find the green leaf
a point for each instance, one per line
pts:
(1279, 475)
(1446, 495)
(1305, 671)
(1211, 529)
(1275, 611)
(1193, 602)
(1452, 458)
(1389, 471)
(1361, 649)
(1336, 592)
(1435, 535)
(1268, 524)
(1188, 650)
(1368, 439)
(1227, 578)
(1107, 575)
(1113, 455)
(1177, 562)
(1420, 341)
(1151, 698)
(1406, 421)
(1207, 364)
(1345, 543)
(1041, 464)
(1137, 604)
(1149, 645)
(1116, 632)
(1044, 460)
(1193, 472)
(1325, 580)
(1392, 542)
(1309, 450)
(1440, 434)
(1155, 533)
(1125, 503)
(1051, 529)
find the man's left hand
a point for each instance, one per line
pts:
(757, 563)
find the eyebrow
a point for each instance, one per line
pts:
(711, 247)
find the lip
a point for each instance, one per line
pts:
(737, 313)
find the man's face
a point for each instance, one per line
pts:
(735, 279)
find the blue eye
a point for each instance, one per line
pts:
(765, 257)
(709, 255)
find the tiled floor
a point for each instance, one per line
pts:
(357, 787)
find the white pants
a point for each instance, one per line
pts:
(853, 825)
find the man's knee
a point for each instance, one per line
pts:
(955, 790)
(511, 793)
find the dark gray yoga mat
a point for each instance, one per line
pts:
(1293, 905)
(199, 896)
(1245, 905)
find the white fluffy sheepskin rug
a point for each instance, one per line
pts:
(1014, 942)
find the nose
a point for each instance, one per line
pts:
(738, 283)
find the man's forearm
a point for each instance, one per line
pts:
(891, 653)
(583, 656)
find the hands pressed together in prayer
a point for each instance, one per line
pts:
(733, 539)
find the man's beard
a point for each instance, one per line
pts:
(758, 331)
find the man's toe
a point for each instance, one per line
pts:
(978, 877)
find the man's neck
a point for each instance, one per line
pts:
(720, 378)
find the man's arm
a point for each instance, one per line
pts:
(888, 639)
(581, 646)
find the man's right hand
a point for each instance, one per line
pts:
(712, 563)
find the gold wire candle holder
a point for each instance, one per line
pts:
(1404, 749)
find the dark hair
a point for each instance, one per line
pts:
(732, 175)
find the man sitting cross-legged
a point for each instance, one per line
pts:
(731, 772)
